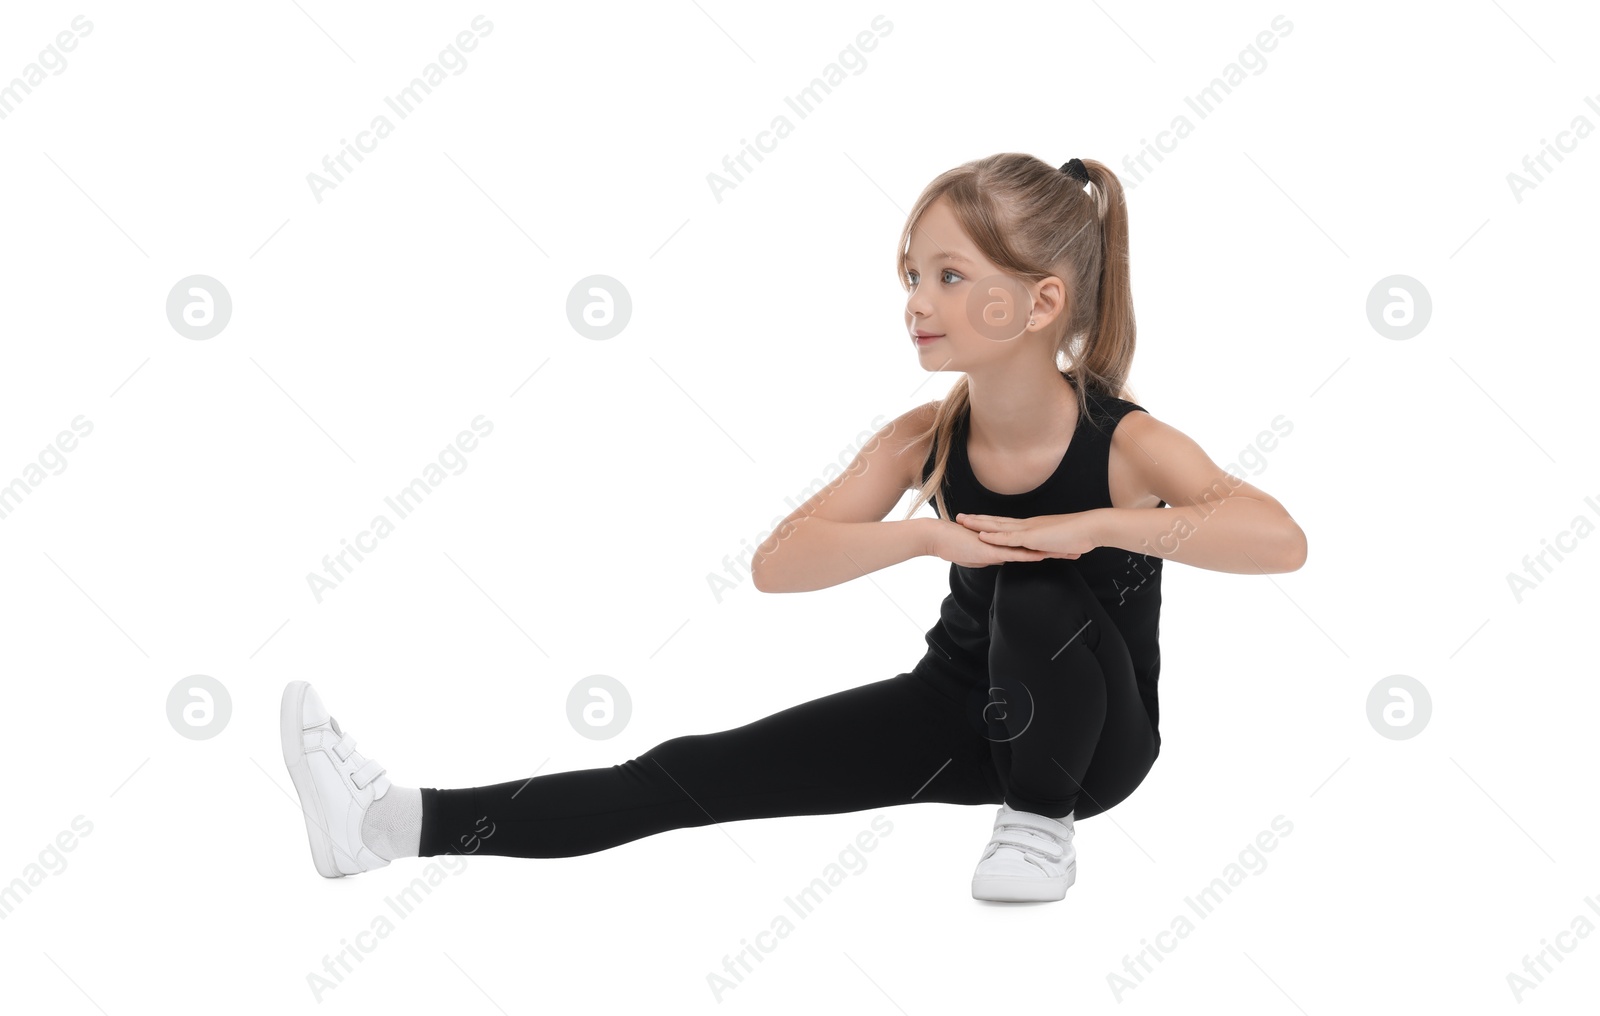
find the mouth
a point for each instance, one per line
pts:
(923, 338)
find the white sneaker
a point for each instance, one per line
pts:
(1030, 858)
(336, 785)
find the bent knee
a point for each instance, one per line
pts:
(1049, 592)
(1054, 577)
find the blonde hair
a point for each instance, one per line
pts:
(1032, 220)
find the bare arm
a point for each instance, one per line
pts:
(1214, 521)
(820, 552)
(836, 536)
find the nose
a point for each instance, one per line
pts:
(917, 307)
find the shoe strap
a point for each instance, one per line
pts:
(369, 771)
(344, 748)
(1059, 829)
(1028, 841)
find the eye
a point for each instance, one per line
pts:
(911, 277)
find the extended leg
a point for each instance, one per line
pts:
(890, 742)
(1069, 730)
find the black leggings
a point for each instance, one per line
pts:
(1056, 725)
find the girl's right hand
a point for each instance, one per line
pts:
(957, 544)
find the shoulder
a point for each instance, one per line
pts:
(912, 429)
(1108, 411)
(1137, 442)
(1129, 423)
(907, 442)
(1162, 461)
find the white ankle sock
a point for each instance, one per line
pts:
(392, 826)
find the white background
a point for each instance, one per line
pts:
(431, 286)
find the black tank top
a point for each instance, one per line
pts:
(1128, 585)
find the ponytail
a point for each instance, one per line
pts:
(1107, 353)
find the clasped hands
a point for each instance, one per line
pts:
(976, 541)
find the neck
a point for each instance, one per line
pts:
(1013, 404)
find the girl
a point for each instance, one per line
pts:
(1056, 503)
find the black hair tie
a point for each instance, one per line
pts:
(1076, 169)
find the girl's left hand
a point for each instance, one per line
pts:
(1065, 536)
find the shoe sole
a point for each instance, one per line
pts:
(1024, 890)
(292, 735)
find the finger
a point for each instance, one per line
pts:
(1016, 552)
(1030, 554)
(989, 522)
(1024, 554)
(1000, 539)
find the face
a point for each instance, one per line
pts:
(955, 293)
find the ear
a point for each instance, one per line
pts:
(1050, 300)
